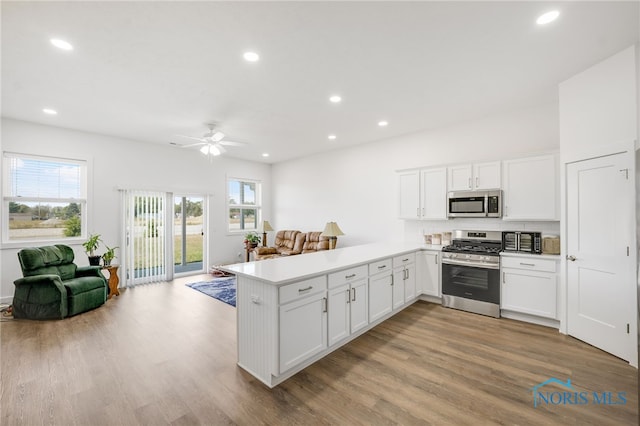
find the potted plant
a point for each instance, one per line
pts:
(90, 246)
(252, 239)
(109, 255)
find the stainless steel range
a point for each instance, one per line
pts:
(471, 272)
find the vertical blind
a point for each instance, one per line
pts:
(145, 239)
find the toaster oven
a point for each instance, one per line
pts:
(521, 241)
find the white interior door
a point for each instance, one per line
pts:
(601, 290)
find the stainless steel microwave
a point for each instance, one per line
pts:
(474, 203)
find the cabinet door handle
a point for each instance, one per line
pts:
(407, 271)
(348, 295)
(469, 183)
(477, 182)
(324, 304)
(382, 266)
(300, 290)
(503, 278)
(527, 264)
(436, 258)
(349, 276)
(423, 211)
(354, 295)
(418, 211)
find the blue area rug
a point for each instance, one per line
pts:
(223, 289)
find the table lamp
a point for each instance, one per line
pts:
(332, 230)
(266, 226)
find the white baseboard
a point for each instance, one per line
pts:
(7, 300)
(547, 322)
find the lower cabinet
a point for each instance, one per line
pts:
(347, 310)
(530, 286)
(381, 290)
(428, 269)
(404, 279)
(303, 324)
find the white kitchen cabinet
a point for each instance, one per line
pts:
(433, 194)
(404, 279)
(339, 315)
(530, 286)
(409, 195)
(428, 265)
(423, 194)
(347, 303)
(531, 188)
(380, 289)
(303, 329)
(359, 305)
(471, 177)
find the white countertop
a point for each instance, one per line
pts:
(293, 268)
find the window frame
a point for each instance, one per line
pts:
(5, 190)
(257, 206)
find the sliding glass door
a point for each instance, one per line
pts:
(188, 234)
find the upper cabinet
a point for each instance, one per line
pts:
(469, 177)
(409, 194)
(423, 194)
(433, 193)
(531, 188)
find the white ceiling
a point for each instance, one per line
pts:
(151, 70)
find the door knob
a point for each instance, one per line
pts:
(571, 258)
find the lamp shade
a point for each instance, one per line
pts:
(266, 226)
(331, 229)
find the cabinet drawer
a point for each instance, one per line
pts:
(380, 266)
(302, 289)
(528, 263)
(348, 275)
(405, 259)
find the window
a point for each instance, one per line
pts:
(244, 205)
(44, 198)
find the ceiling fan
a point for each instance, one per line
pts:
(211, 143)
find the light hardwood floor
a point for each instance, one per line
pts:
(165, 354)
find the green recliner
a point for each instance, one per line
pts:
(54, 287)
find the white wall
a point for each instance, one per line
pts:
(119, 163)
(357, 187)
(598, 107)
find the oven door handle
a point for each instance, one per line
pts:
(468, 263)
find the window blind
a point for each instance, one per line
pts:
(145, 237)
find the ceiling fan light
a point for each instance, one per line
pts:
(205, 149)
(213, 150)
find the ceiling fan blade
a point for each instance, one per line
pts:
(194, 138)
(232, 143)
(192, 145)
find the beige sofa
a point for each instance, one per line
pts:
(292, 242)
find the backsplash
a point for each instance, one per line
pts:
(415, 229)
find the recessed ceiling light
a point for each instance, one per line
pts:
(266, 154)
(49, 111)
(332, 137)
(61, 44)
(251, 57)
(383, 123)
(547, 17)
(335, 99)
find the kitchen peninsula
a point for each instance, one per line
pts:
(292, 311)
